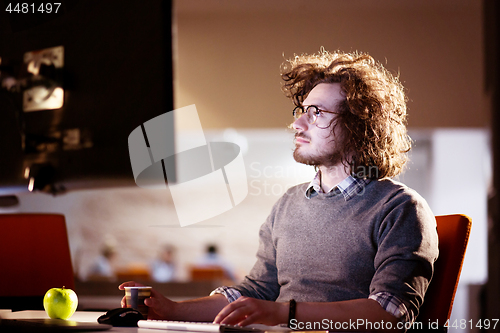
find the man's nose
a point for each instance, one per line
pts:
(300, 123)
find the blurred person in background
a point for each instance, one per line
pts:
(163, 268)
(102, 268)
(212, 258)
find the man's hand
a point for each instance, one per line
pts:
(160, 307)
(245, 311)
(127, 284)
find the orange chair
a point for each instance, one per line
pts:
(453, 233)
(34, 257)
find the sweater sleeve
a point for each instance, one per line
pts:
(262, 281)
(407, 247)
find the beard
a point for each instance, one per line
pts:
(317, 160)
(330, 156)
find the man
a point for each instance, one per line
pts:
(352, 244)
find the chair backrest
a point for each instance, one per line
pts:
(34, 255)
(453, 233)
(207, 273)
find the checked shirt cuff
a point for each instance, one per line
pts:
(230, 293)
(394, 305)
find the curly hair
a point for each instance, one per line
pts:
(372, 117)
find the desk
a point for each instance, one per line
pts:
(83, 316)
(91, 316)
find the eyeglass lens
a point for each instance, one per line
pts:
(311, 111)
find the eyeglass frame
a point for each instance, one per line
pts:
(305, 110)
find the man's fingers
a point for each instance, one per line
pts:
(248, 320)
(123, 302)
(149, 301)
(234, 318)
(155, 308)
(231, 314)
(223, 313)
(154, 299)
(129, 284)
(154, 302)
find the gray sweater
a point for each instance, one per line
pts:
(328, 248)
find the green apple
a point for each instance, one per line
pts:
(60, 303)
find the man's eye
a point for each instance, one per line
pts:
(317, 113)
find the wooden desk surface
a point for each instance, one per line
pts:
(91, 316)
(81, 316)
(85, 316)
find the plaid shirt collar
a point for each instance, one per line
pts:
(349, 187)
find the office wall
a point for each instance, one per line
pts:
(229, 55)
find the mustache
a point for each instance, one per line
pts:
(301, 135)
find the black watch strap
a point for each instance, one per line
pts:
(291, 311)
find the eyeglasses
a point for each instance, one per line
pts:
(312, 112)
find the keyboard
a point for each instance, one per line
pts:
(205, 327)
